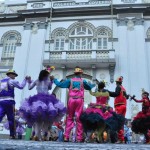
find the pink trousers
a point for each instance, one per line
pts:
(75, 108)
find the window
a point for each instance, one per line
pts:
(59, 44)
(59, 40)
(9, 41)
(102, 38)
(148, 33)
(80, 38)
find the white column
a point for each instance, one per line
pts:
(122, 53)
(34, 61)
(148, 60)
(132, 70)
(141, 62)
(20, 61)
(124, 57)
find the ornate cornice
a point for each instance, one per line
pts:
(35, 26)
(125, 21)
(122, 22)
(28, 26)
(138, 21)
(42, 25)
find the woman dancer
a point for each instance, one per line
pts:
(141, 122)
(42, 109)
(99, 116)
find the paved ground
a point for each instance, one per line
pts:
(31, 145)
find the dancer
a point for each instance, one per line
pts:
(141, 122)
(76, 87)
(99, 116)
(120, 104)
(42, 109)
(7, 102)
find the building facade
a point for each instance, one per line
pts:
(105, 41)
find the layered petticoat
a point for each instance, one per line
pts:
(42, 107)
(19, 127)
(141, 122)
(97, 114)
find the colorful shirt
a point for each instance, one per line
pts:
(102, 97)
(66, 84)
(13, 84)
(120, 95)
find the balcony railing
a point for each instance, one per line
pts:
(79, 55)
(105, 57)
(6, 62)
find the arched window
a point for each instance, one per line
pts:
(80, 38)
(9, 41)
(103, 33)
(59, 36)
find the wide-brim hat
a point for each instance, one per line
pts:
(78, 70)
(11, 72)
(119, 79)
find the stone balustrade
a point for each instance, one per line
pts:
(6, 62)
(80, 55)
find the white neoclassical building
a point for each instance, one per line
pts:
(105, 40)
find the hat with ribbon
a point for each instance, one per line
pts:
(11, 72)
(78, 70)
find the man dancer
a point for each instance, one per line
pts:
(7, 102)
(76, 87)
(120, 104)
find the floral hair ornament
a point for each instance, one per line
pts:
(50, 68)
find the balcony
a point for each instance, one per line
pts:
(99, 58)
(6, 62)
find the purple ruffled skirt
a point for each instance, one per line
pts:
(42, 107)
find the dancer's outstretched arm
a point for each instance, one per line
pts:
(139, 101)
(88, 86)
(116, 93)
(62, 84)
(97, 94)
(32, 85)
(16, 84)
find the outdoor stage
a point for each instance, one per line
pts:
(31, 145)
